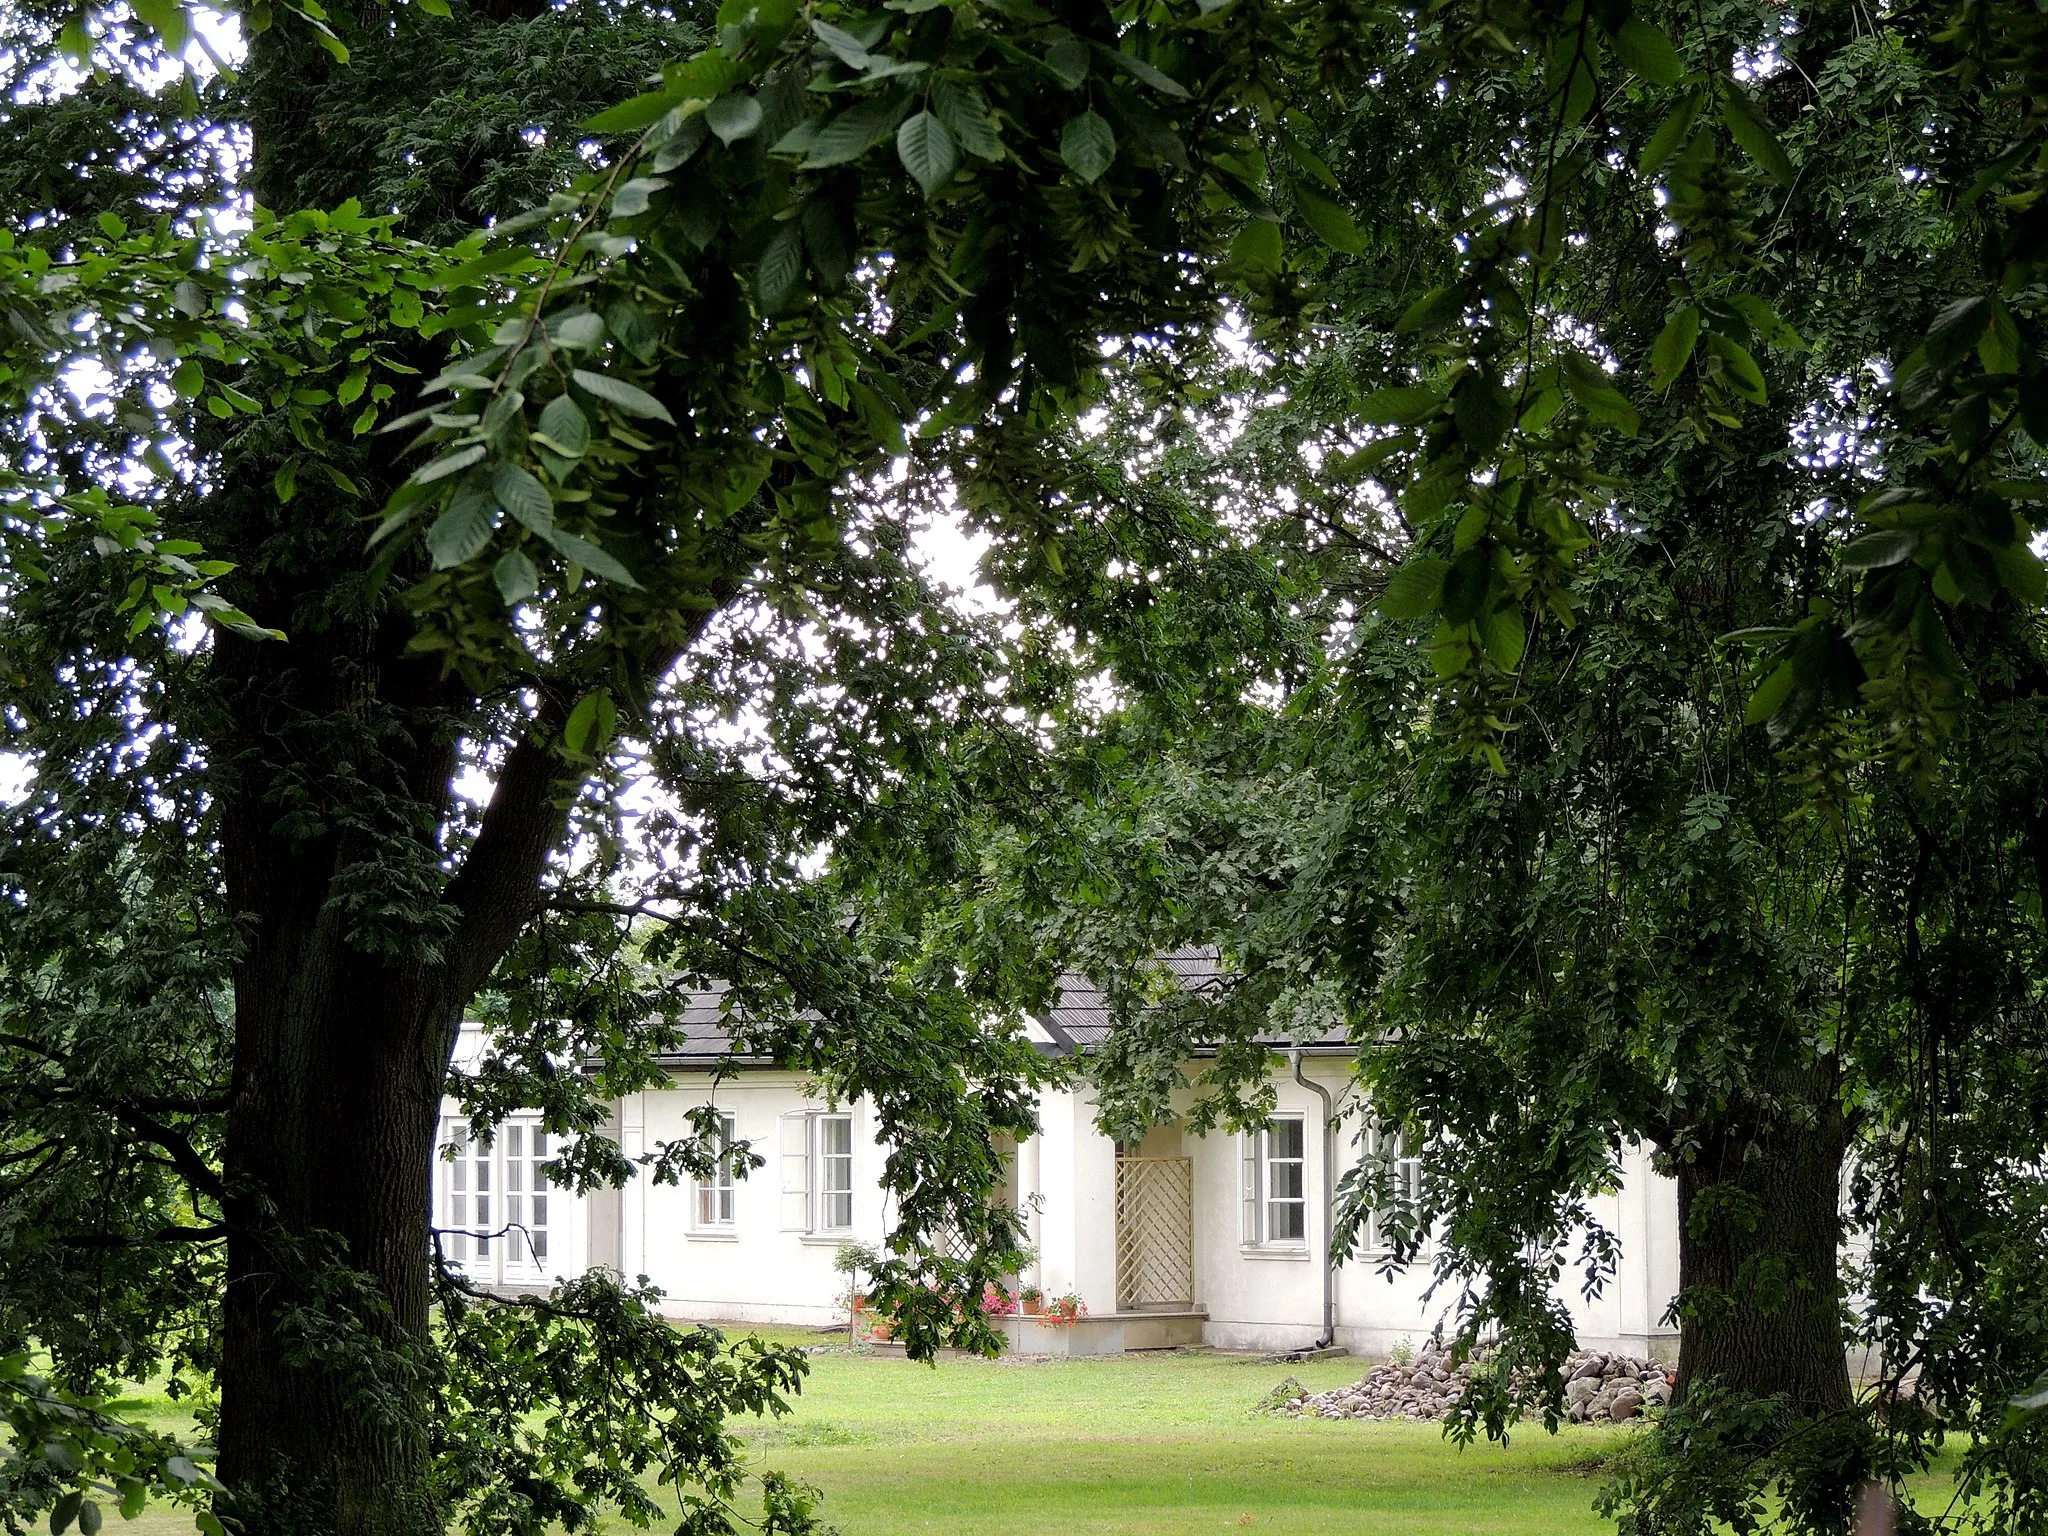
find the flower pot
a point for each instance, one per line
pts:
(1032, 1306)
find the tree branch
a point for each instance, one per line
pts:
(184, 1156)
(172, 1234)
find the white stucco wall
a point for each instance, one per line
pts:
(1271, 1298)
(757, 1271)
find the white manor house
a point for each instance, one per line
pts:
(1179, 1239)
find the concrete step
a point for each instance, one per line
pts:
(1105, 1333)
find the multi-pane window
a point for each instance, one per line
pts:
(497, 1209)
(835, 1173)
(1404, 1181)
(715, 1191)
(472, 1208)
(1276, 1182)
(817, 1172)
(526, 1193)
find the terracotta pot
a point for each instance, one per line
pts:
(1032, 1306)
(879, 1331)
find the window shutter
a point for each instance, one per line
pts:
(1248, 1183)
(796, 1172)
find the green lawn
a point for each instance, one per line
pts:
(1146, 1445)
(1150, 1445)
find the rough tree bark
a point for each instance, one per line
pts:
(341, 1050)
(1759, 1214)
(337, 755)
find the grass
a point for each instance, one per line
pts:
(1146, 1445)
(1152, 1445)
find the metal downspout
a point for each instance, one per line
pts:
(1329, 1336)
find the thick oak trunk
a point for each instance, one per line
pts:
(330, 1141)
(342, 1037)
(1759, 1247)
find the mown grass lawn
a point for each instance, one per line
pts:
(1152, 1445)
(1145, 1445)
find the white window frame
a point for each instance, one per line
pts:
(1405, 1175)
(1258, 1161)
(807, 1189)
(714, 1201)
(496, 1209)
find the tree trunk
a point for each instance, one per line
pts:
(1759, 1243)
(329, 1147)
(346, 1009)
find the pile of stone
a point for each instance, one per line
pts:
(1599, 1389)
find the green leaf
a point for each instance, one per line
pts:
(565, 426)
(842, 43)
(961, 108)
(64, 1511)
(89, 1518)
(1766, 323)
(1957, 330)
(434, 7)
(1068, 61)
(1258, 247)
(1159, 80)
(2021, 573)
(1503, 634)
(1999, 347)
(1088, 145)
(632, 198)
(285, 483)
(592, 557)
(1739, 368)
(581, 329)
(591, 723)
(448, 464)
(516, 578)
(168, 20)
(1330, 220)
(1749, 128)
(1415, 589)
(1770, 695)
(632, 114)
(1875, 551)
(780, 271)
(1647, 51)
(1483, 410)
(1541, 410)
(1309, 161)
(1432, 312)
(190, 379)
(927, 151)
(629, 398)
(1589, 385)
(520, 494)
(855, 131)
(1672, 132)
(1468, 585)
(734, 117)
(460, 533)
(1673, 348)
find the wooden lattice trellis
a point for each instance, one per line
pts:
(1155, 1232)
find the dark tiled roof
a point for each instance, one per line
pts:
(1079, 1018)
